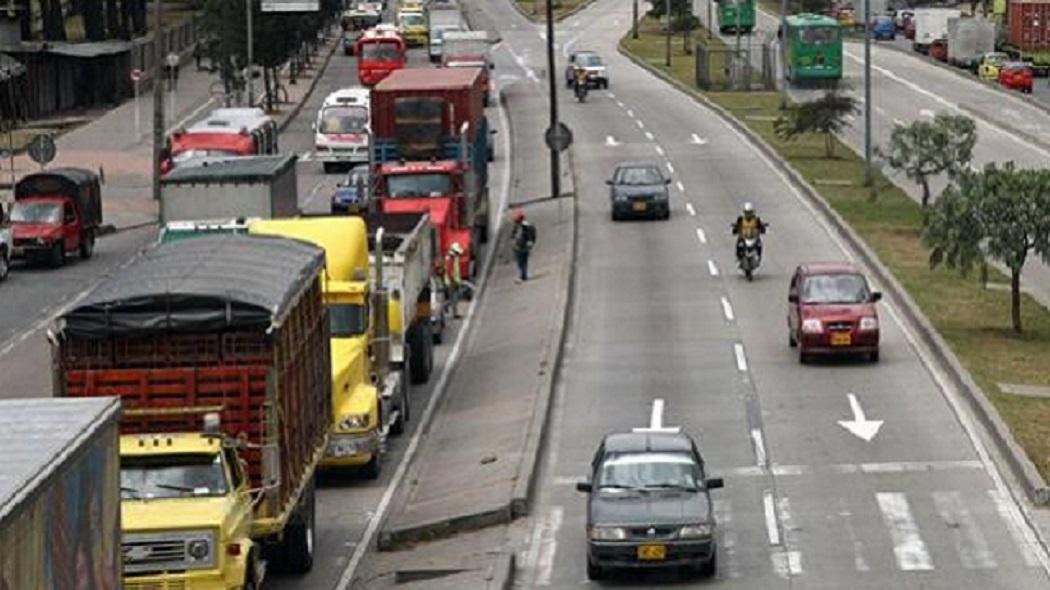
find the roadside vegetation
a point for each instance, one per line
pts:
(973, 311)
(537, 9)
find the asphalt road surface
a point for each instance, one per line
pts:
(662, 314)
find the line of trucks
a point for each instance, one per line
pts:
(251, 348)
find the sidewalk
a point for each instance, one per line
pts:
(123, 151)
(476, 462)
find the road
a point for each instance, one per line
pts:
(660, 313)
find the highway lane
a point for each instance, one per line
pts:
(662, 313)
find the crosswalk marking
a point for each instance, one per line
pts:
(969, 542)
(730, 564)
(858, 546)
(908, 547)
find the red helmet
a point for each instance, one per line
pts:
(518, 215)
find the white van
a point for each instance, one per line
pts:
(342, 132)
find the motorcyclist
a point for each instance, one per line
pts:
(579, 79)
(748, 225)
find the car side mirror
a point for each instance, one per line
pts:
(876, 296)
(792, 298)
(492, 66)
(714, 483)
(609, 182)
(584, 486)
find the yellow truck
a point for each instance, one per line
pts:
(218, 349)
(368, 399)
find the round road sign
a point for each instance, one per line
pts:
(42, 149)
(558, 138)
(136, 75)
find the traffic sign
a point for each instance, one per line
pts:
(558, 138)
(42, 149)
(136, 75)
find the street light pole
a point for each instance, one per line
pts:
(553, 83)
(867, 93)
(158, 101)
(250, 52)
(667, 26)
(634, 21)
(781, 41)
(710, 23)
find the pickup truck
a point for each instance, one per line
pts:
(56, 213)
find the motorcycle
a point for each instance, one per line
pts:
(749, 258)
(580, 89)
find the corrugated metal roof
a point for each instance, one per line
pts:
(247, 169)
(37, 436)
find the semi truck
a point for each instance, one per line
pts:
(59, 494)
(259, 186)
(442, 18)
(368, 399)
(968, 40)
(218, 348)
(931, 24)
(430, 154)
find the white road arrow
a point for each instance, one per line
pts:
(860, 425)
(697, 140)
(611, 141)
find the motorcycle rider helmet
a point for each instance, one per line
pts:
(749, 210)
(518, 215)
(455, 249)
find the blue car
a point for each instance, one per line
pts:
(883, 28)
(352, 197)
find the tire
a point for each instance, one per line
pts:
(373, 468)
(420, 354)
(250, 583)
(791, 339)
(873, 356)
(594, 572)
(750, 274)
(5, 264)
(57, 255)
(615, 216)
(403, 414)
(483, 233)
(327, 167)
(708, 569)
(87, 246)
(297, 546)
(803, 358)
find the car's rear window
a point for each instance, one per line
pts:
(834, 288)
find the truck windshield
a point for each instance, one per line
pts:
(347, 319)
(187, 155)
(419, 185)
(352, 119)
(172, 476)
(819, 35)
(23, 212)
(380, 52)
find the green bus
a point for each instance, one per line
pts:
(812, 48)
(736, 16)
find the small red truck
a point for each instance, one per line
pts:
(431, 153)
(55, 213)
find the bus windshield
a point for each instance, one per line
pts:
(350, 119)
(385, 51)
(819, 35)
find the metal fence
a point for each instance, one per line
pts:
(750, 67)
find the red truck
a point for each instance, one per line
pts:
(431, 149)
(55, 213)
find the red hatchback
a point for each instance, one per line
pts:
(831, 311)
(1016, 75)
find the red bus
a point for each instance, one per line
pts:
(379, 51)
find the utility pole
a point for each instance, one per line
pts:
(158, 101)
(867, 93)
(737, 7)
(667, 26)
(552, 82)
(710, 22)
(251, 56)
(634, 21)
(781, 40)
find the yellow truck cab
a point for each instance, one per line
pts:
(412, 23)
(362, 412)
(186, 511)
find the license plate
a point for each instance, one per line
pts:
(838, 339)
(652, 552)
(639, 206)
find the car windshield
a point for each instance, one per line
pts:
(187, 155)
(172, 476)
(349, 119)
(347, 319)
(23, 212)
(819, 35)
(380, 51)
(995, 58)
(639, 176)
(834, 288)
(413, 19)
(419, 185)
(883, 20)
(649, 470)
(588, 60)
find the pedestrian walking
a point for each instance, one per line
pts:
(523, 238)
(454, 277)
(198, 54)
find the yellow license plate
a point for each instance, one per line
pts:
(652, 552)
(639, 206)
(840, 339)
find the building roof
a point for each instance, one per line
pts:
(246, 169)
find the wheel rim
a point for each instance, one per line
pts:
(3, 266)
(310, 537)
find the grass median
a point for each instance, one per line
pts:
(536, 9)
(973, 319)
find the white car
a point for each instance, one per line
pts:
(6, 244)
(341, 133)
(590, 62)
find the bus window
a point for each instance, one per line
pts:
(818, 35)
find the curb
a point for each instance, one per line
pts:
(501, 575)
(1022, 467)
(292, 114)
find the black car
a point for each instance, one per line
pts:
(353, 195)
(639, 189)
(649, 504)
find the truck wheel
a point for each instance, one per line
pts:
(327, 167)
(87, 245)
(483, 233)
(373, 468)
(250, 581)
(420, 354)
(5, 263)
(57, 256)
(404, 413)
(297, 547)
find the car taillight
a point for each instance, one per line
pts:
(233, 550)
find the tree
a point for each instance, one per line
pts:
(826, 115)
(94, 21)
(1002, 213)
(54, 20)
(925, 149)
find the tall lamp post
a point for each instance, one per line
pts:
(667, 27)
(867, 93)
(783, 54)
(250, 52)
(634, 20)
(553, 84)
(158, 100)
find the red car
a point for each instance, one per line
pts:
(832, 311)
(1016, 75)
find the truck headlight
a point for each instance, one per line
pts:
(694, 531)
(198, 549)
(869, 324)
(812, 326)
(608, 533)
(352, 421)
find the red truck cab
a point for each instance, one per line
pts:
(379, 51)
(55, 213)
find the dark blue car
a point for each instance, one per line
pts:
(352, 196)
(883, 28)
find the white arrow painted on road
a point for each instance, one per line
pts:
(697, 140)
(860, 425)
(611, 141)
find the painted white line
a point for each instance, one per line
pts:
(741, 358)
(649, 135)
(759, 447)
(365, 543)
(859, 562)
(969, 542)
(620, 104)
(611, 95)
(697, 140)
(727, 311)
(610, 141)
(791, 556)
(681, 187)
(772, 528)
(730, 566)
(926, 113)
(549, 546)
(700, 235)
(691, 210)
(898, 122)
(630, 113)
(908, 547)
(711, 268)
(656, 415)
(1007, 513)
(670, 167)
(905, 466)
(182, 122)
(639, 123)
(659, 150)
(313, 194)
